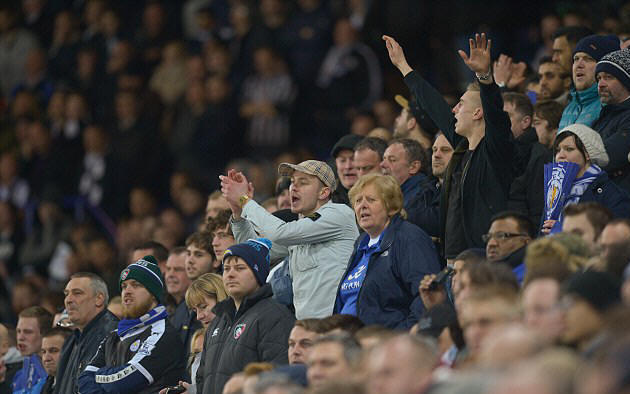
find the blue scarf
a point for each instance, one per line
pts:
(127, 325)
(581, 184)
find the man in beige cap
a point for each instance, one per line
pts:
(318, 244)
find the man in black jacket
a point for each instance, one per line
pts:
(479, 175)
(85, 300)
(249, 326)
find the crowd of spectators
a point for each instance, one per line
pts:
(397, 182)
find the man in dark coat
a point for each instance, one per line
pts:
(85, 300)
(249, 326)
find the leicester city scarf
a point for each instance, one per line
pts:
(125, 326)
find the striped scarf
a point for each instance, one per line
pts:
(582, 183)
(125, 326)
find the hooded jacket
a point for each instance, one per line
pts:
(584, 107)
(257, 332)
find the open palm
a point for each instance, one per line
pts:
(479, 59)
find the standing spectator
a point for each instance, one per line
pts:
(250, 326)
(380, 285)
(177, 283)
(33, 323)
(200, 258)
(318, 244)
(368, 155)
(343, 153)
(413, 122)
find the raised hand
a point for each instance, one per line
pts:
(233, 186)
(396, 55)
(502, 70)
(479, 59)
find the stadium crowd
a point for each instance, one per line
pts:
(319, 196)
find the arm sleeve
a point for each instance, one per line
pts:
(434, 104)
(328, 226)
(244, 229)
(273, 345)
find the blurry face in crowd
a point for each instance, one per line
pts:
(441, 156)
(498, 246)
(307, 193)
(300, 343)
(367, 161)
(51, 351)
(371, 211)
(81, 302)
(29, 339)
(326, 362)
(583, 71)
(136, 299)
(215, 206)
(467, 109)
(477, 318)
(552, 82)
(345, 168)
(396, 163)
(519, 122)
(581, 321)
(568, 151)
(238, 279)
(198, 262)
(177, 281)
(403, 124)
(203, 310)
(610, 90)
(613, 234)
(283, 201)
(562, 53)
(546, 135)
(540, 307)
(221, 240)
(582, 227)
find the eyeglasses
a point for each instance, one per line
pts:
(501, 236)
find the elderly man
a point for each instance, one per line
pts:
(86, 299)
(144, 353)
(318, 244)
(368, 155)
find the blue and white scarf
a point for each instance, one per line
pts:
(127, 325)
(582, 183)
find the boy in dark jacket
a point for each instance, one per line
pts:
(249, 326)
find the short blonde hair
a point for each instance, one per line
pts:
(207, 285)
(387, 188)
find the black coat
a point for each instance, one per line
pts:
(604, 191)
(614, 127)
(489, 174)
(527, 193)
(79, 349)
(257, 332)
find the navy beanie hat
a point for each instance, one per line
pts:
(255, 252)
(599, 289)
(617, 64)
(147, 272)
(597, 46)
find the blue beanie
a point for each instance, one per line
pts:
(597, 46)
(147, 272)
(255, 252)
(617, 64)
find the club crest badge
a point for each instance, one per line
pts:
(554, 187)
(124, 274)
(239, 330)
(135, 346)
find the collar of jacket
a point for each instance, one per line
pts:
(388, 236)
(623, 106)
(412, 182)
(227, 307)
(516, 258)
(586, 94)
(93, 323)
(529, 136)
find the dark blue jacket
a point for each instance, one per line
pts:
(604, 191)
(389, 293)
(423, 208)
(614, 127)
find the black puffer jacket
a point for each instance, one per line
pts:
(258, 331)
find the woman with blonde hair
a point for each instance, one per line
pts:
(380, 285)
(203, 294)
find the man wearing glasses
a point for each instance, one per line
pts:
(509, 234)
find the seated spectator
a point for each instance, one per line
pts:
(616, 233)
(540, 300)
(152, 248)
(554, 81)
(581, 145)
(340, 323)
(611, 73)
(333, 357)
(301, 338)
(584, 104)
(476, 276)
(52, 343)
(318, 244)
(587, 220)
(33, 323)
(177, 284)
(250, 326)
(383, 290)
(203, 294)
(200, 257)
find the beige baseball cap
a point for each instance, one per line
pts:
(312, 167)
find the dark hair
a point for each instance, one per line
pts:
(495, 274)
(157, 249)
(596, 214)
(414, 152)
(545, 60)
(202, 240)
(220, 221)
(549, 110)
(524, 224)
(572, 33)
(378, 145)
(44, 318)
(521, 102)
(351, 348)
(472, 255)
(313, 325)
(61, 331)
(578, 143)
(349, 323)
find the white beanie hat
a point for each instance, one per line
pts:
(592, 142)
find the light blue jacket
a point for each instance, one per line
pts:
(584, 108)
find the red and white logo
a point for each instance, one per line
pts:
(239, 330)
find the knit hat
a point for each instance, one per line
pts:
(591, 140)
(436, 319)
(616, 63)
(347, 142)
(599, 289)
(255, 252)
(147, 272)
(597, 46)
(312, 167)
